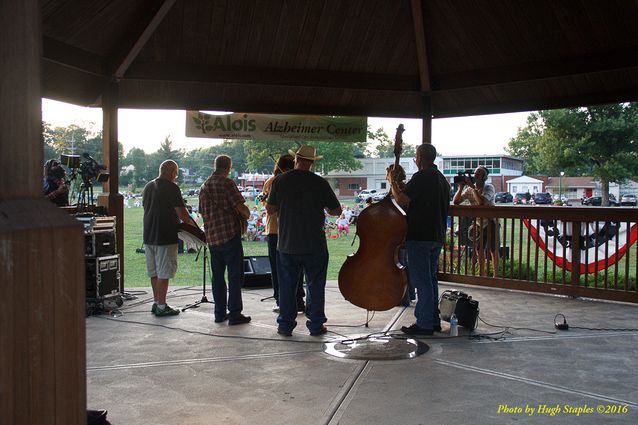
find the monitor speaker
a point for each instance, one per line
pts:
(257, 272)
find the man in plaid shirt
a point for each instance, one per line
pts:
(224, 210)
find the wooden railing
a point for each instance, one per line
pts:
(544, 261)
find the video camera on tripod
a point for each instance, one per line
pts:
(90, 170)
(465, 177)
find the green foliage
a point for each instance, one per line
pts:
(48, 139)
(600, 140)
(336, 155)
(71, 139)
(385, 146)
(139, 176)
(260, 156)
(516, 270)
(166, 151)
(526, 145)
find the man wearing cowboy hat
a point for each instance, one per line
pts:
(299, 198)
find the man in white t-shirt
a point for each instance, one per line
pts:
(347, 212)
(480, 192)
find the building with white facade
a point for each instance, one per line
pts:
(524, 184)
(498, 165)
(372, 175)
(501, 167)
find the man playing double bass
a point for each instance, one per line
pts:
(426, 198)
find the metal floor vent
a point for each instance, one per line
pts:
(376, 348)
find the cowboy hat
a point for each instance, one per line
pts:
(306, 152)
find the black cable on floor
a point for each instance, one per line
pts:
(506, 327)
(250, 338)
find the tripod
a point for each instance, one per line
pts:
(204, 299)
(85, 195)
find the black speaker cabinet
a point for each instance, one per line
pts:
(257, 272)
(100, 243)
(102, 276)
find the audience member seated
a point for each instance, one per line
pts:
(330, 228)
(343, 225)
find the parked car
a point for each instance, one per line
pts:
(250, 193)
(366, 193)
(597, 201)
(503, 197)
(379, 196)
(593, 201)
(628, 200)
(520, 198)
(542, 198)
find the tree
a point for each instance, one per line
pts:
(164, 153)
(385, 146)
(235, 149)
(76, 140)
(261, 156)
(526, 145)
(138, 159)
(336, 155)
(599, 140)
(48, 140)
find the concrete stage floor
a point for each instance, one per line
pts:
(189, 370)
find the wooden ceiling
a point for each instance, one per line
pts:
(342, 57)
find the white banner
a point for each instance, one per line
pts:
(602, 243)
(276, 127)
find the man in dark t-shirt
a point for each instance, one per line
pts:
(163, 207)
(427, 198)
(299, 198)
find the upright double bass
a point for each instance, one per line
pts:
(373, 278)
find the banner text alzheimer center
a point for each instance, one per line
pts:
(247, 126)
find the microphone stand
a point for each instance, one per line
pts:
(204, 299)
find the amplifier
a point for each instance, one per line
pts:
(460, 304)
(100, 243)
(257, 272)
(94, 223)
(103, 276)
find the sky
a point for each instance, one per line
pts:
(146, 129)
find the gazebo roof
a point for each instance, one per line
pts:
(355, 57)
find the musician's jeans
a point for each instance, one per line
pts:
(228, 254)
(315, 267)
(410, 293)
(272, 257)
(423, 262)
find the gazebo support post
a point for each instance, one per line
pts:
(110, 197)
(42, 308)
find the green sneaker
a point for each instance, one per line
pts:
(154, 308)
(168, 311)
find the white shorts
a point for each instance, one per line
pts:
(161, 261)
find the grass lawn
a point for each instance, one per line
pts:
(190, 272)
